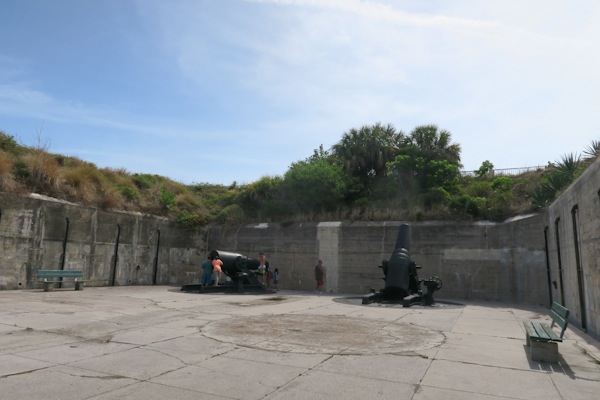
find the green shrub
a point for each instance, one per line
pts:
(143, 181)
(129, 192)
(9, 144)
(502, 184)
(469, 205)
(479, 189)
(193, 219)
(232, 214)
(20, 170)
(434, 196)
(167, 199)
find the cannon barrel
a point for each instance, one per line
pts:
(235, 265)
(404, 237)
(239, 268)
(400, 271)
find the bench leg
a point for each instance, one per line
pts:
(78, 285)
(47, 287)
(544, 351)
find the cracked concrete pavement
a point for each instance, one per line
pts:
(156, 342)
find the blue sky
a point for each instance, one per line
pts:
(233, 90)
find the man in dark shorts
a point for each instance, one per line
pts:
(319, 276)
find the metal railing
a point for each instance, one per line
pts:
(508, 171)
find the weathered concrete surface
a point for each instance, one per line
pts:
(157, 342)
(110, 247)
(572, 230)
(485, 261)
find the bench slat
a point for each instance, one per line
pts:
(540, 332)
(545, 332)
(560, 310)
(58, 273)
(559, 315)
(529, 328)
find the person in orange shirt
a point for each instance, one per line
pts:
(217, 264)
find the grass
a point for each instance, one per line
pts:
(33, 169)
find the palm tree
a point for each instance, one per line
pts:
(559, 176)
(592, 151)
(434, 144)
(365, 151)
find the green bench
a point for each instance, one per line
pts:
(542, 339)
(50, 276)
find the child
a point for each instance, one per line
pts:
(217, 264)
(276, 279)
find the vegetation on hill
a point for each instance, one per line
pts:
(373, 173)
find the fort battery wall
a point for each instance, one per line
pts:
(112, 248)
(534, 259)
(487, 261)
(572, 232)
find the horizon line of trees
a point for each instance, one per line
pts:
(375, 172)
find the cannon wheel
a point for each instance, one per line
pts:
(437, 280)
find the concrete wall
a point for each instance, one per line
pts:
(127, 248)
(572, 230)
(487, 261)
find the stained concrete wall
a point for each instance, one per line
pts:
(572, 230)
(486, 261)
(110, 247)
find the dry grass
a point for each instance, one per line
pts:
(44, 172)
(7, 183)
(82, 182)
(35, 170)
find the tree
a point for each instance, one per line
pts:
(365, 152)
(560, 175)
(486, 169)
(433, 144)
(315, 185)
(429, 157)
(261, 198)
(592, 151)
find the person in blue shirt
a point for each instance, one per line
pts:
(207, 270)
(276, 279)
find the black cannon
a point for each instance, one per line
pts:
(401, 279)
(242, 271)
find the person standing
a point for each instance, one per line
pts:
(269, 278)
(207, 270)
(319, 276)
(263, 267)
(217, 264)
(276, 279)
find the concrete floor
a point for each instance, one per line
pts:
(160, 343)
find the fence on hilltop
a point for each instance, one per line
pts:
(508, 171)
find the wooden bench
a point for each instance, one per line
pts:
(542, 339)
(51, 276)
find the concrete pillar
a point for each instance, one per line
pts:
(328, 242)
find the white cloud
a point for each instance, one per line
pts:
(279, 78)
